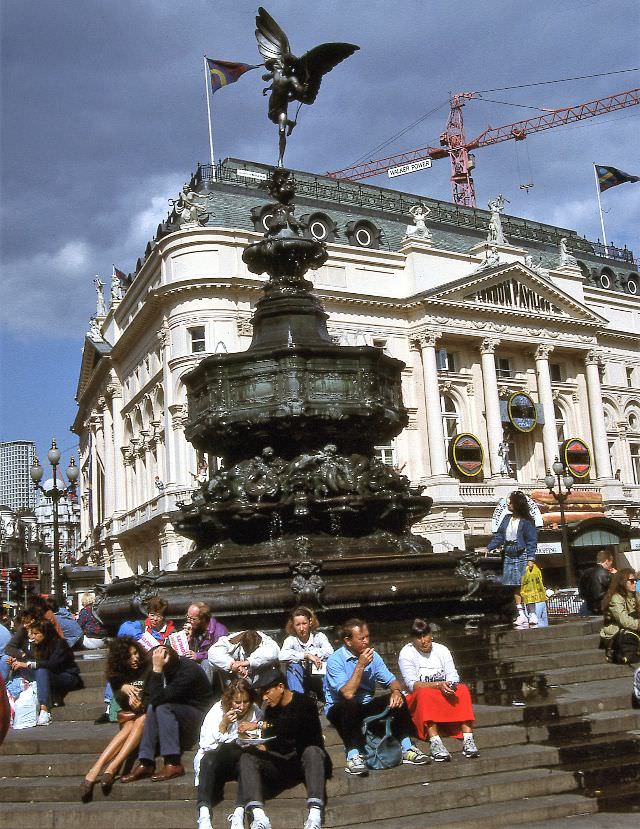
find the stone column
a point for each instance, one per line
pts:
(119, 500)
(178, 418)
(170, 545)
(108, 458)
(596, 416)
(118, 565)
(545, 395)
(437, 455)
(95, 424)
(491, 401)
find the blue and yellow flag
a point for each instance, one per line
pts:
(612, 177)
(224, 72)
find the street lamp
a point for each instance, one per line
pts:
(558, 478)
(56, 493)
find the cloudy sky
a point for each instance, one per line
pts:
(104, 118)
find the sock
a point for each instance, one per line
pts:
(405, 743)
(467, 736)
(352, 753)
(172, 760)
(203, 811)
(238, 811)
(315, 814)
(144, 762)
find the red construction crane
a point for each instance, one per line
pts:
(454, 144)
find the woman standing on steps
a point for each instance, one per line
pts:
(621, 607)
(437, 700)
(518, 537)
(127, 670)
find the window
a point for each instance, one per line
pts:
(450, 419)
(446, 360)
(557, 372)
(384, 453)
(634, 421)
(197, 339)
(503, 367)
(635, 462)
(561, 426)
(629, 370)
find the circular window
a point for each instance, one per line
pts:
(632, 286)
(634, 421)
(363, 237)
(318, 230)
(605, 282)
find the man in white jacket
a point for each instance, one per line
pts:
(244, 654)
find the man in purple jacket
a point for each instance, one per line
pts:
(203, 630)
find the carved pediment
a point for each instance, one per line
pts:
(514, 293)
(513, 288)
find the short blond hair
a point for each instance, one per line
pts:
(87, 598)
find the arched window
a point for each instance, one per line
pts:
(450, 419)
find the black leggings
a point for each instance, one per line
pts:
(217, 767)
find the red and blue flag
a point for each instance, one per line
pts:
(224, 72)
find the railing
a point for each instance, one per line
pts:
(477, 491)
(612, 252)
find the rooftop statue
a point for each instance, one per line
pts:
(292, 78)
(191, 208)
(419, 229)
(566, 259)
(496, 234)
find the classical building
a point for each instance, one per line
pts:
(68, 523)
(16, 487)
(517, 336)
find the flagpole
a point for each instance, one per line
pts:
(206, 84)
(604, 235)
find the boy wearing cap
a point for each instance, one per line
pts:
(294, 751)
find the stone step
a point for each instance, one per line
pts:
(407, 804)
(598, 820)
(55, 788)
(598, 722)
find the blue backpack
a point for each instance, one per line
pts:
(381, 750)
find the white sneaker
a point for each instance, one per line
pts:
(313, 822)
(204, 818)
(533, 620)
(236, 820)
(260, 823)
(521, 623)
(44, 718)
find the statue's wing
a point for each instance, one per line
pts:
(317, 62)
(273, 43)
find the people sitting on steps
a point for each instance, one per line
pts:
(595, 581)
(244, 654)
(179, 696)
(127, 671)
(156, 622)
(235, 716)
(437, 700)
(71, 630)
(353, 672)
(50, 662)
(620, 633)
(305, 652)
(293, 752)
(203, 630)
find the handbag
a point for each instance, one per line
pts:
(381, 751)
(626, 647)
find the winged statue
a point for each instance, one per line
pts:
(292, 78)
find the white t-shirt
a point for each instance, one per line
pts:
(435, 666)
(511, 533)
(294, 649)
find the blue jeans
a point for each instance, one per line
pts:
(4, 667)
(47, 681)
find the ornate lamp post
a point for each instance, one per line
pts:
(553, 479)
(56, 493)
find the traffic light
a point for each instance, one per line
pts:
(15, 586)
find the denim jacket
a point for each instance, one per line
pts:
(526, 537)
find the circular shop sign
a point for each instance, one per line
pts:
(466, 455)
(576, 457)
(522, 412)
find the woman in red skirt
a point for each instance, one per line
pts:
(437, 700)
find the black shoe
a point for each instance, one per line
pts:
(102, 719)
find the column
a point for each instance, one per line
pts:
(437, 455)
(95, 422)
(596, 416)
(491, 401)
(545, 395)
(108, 459)
(181, 470)
(119, 488)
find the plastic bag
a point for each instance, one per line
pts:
(25, 712)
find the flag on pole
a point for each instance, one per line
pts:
(612, 177)
(224, 72)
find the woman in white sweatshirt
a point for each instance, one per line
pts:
(235, 716)
(305, 652)
(436, 695)
(243, 654)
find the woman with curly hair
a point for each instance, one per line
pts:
(305, 652)
(50, 661)
(621, 607)
(518, 537)
(127, 670)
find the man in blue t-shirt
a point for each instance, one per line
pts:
(353, 671)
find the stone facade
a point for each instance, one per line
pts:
(474, 321)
